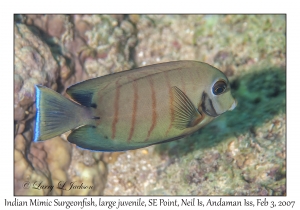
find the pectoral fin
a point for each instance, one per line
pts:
(185, 113)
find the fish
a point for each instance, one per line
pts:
(135, 108)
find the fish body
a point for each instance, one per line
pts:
(135, 108)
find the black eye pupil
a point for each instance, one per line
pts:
(219, 87)
(219, 90)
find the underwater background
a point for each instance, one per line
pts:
(242, 152)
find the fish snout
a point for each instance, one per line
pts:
(233, 105)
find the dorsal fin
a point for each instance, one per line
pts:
(83, 92)
(84, 97)
(185, 113)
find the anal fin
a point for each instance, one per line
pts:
(185, 113)
(84, 137)
(89, 137)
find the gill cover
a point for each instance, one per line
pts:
(218, 99)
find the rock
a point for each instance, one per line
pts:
(34, 64)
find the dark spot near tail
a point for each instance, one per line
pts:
(105, 137)
(94, 105)
(93, 126)
(84, 98)
(96, 118)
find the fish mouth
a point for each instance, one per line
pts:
(207, 106)
(235, 103)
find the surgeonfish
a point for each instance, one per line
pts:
(135, 108)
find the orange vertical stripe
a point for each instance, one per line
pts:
(116, 108)
(101, 93)
(192, 79)
(171, 101)
(134, 110)
(198, 74)
(182, 82)
(154, 114)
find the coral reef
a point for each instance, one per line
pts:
(240, 153)
(34, 64)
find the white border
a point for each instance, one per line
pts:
(8, 8)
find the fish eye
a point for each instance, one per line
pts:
(219, 87)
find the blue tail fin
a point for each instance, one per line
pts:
(56, 114)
